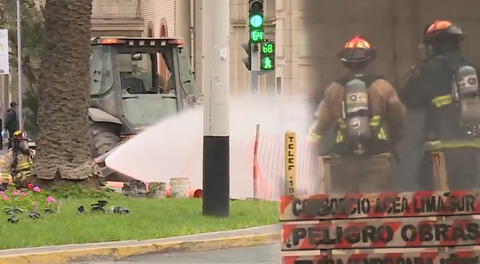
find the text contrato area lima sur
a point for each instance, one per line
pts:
(384, 205)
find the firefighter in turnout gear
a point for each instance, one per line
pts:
(445, 88)
(16, 163)
(369, 121)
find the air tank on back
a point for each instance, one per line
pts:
(356, 113)
(467, 93)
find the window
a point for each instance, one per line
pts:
(139, 74)
(136, 73)
(101, 70)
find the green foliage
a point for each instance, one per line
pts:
(32, 34)
(17, 203)
(32, 48)
(79, 191)
(148, 219)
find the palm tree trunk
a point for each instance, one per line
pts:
(63, 151)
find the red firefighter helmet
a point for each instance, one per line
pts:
(357, 49)
(442, 29)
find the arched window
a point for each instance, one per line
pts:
(163, 28)
(163, 31)
(150, 30)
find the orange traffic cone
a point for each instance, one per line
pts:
(168, 191)
(195, 193)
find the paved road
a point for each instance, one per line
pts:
(266, 254)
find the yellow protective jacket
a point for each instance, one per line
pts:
(386, 110)
(23, 168)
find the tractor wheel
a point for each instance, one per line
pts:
(104, 138)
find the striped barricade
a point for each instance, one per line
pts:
(381, 233)
(380, 205)
(443, 255)
(425, 227)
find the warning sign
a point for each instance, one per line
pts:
(389, 204)
(424, 227)
(290, 162)
(382, 233)
(456, 255)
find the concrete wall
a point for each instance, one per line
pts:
(395, 27)
(182, 22)
(117, 18)
(239, 77)
(197, 43)
(157, 13)
(293, 61)
(115, 9)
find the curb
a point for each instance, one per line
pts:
(121, 252)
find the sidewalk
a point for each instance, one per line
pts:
(122, 249)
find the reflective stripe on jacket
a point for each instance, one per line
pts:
(23, 168)
(384, 103)
(439, 145)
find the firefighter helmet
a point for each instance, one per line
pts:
(357, 49)
(20, 141)
(442, 29)
(20, 135)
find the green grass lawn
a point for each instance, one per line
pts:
(148, 218)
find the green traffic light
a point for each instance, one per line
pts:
(268, 48)
(256, 36)
(256, 21)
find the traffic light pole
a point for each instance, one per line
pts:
(216, 148)
(255, 67)
(254, 81)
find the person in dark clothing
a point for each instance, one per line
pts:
(11, 122)
(439, 88)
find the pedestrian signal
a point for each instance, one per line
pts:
(267, 56)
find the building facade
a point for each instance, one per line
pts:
(308, 34)
(117, 18)
(183, 18)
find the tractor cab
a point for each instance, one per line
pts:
(135, 82)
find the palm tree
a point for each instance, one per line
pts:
(63, 150)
